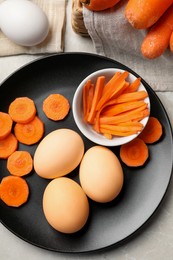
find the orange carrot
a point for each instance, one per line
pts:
(5, 125)
(14, 191)
(132, 96)
(122, 128)
(29, 133)
(108, 87)
(142, 14)
(56, 107)
(85, 98)
(20, 163)
(22, 110)
(152, 131)
(115, 86)
(121, 108)
(115, 132)
(97, 95)
(158, 38)
(140, 112)
(133, 86)
(134, 153)
(7, 146)
(171, 42)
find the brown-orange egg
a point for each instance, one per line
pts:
(65, 205)
(59, 153)
(101, 175)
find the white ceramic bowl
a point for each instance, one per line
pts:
(85, 128)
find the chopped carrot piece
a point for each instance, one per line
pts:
(20, 163)
(115, 87)
(140, 112)
(97, 95)
(131, 96)
(22, 110)
(121, 108)
(29, 133)
(7, 146)
(14, 191)
(134, 153)
(5, 125)
(56, 107)
(152, 131)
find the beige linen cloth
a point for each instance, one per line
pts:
(55, 11)
(115, 38)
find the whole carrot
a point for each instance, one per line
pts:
(142, 14)
(158, 38)
(171, 42)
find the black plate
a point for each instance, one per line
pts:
(144, 188)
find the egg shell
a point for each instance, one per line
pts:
(59, 153)
(101, 175)
(65, 205)
(23, 22)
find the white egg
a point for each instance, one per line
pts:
(23, 22)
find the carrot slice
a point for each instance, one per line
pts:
(29, 133)
(134, 153)
(22, 110)
(56, 107)
(7, 146)
(20, 163)
(14, 191)
(152, 131)
(5, 125)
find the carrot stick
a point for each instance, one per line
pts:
(132, 96)
(134, 153)
(7, 146)
(133, 86)
(29, 133)
(140, 112)
(108, 87)
(158, 38)
(20, 163)
(116, 86)
(22, 110)
(85, 98)
(97, 95)
(122, 128)
(14, 191)
(142, 14)
(5, 125)
(121, 108)
(115, 132)
(171, 42)
(56, 107)
(152, 131)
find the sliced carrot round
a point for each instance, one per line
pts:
(14, 191)
(22, 110)
(152, 131)
(20, 163)
(5, 125)
(56, 107)
(29, 133)
(134, 153)
(8, 146)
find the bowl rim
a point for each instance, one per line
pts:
(85, 128)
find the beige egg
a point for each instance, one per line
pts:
(59, 153)
(101, 175)
(65, 205)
